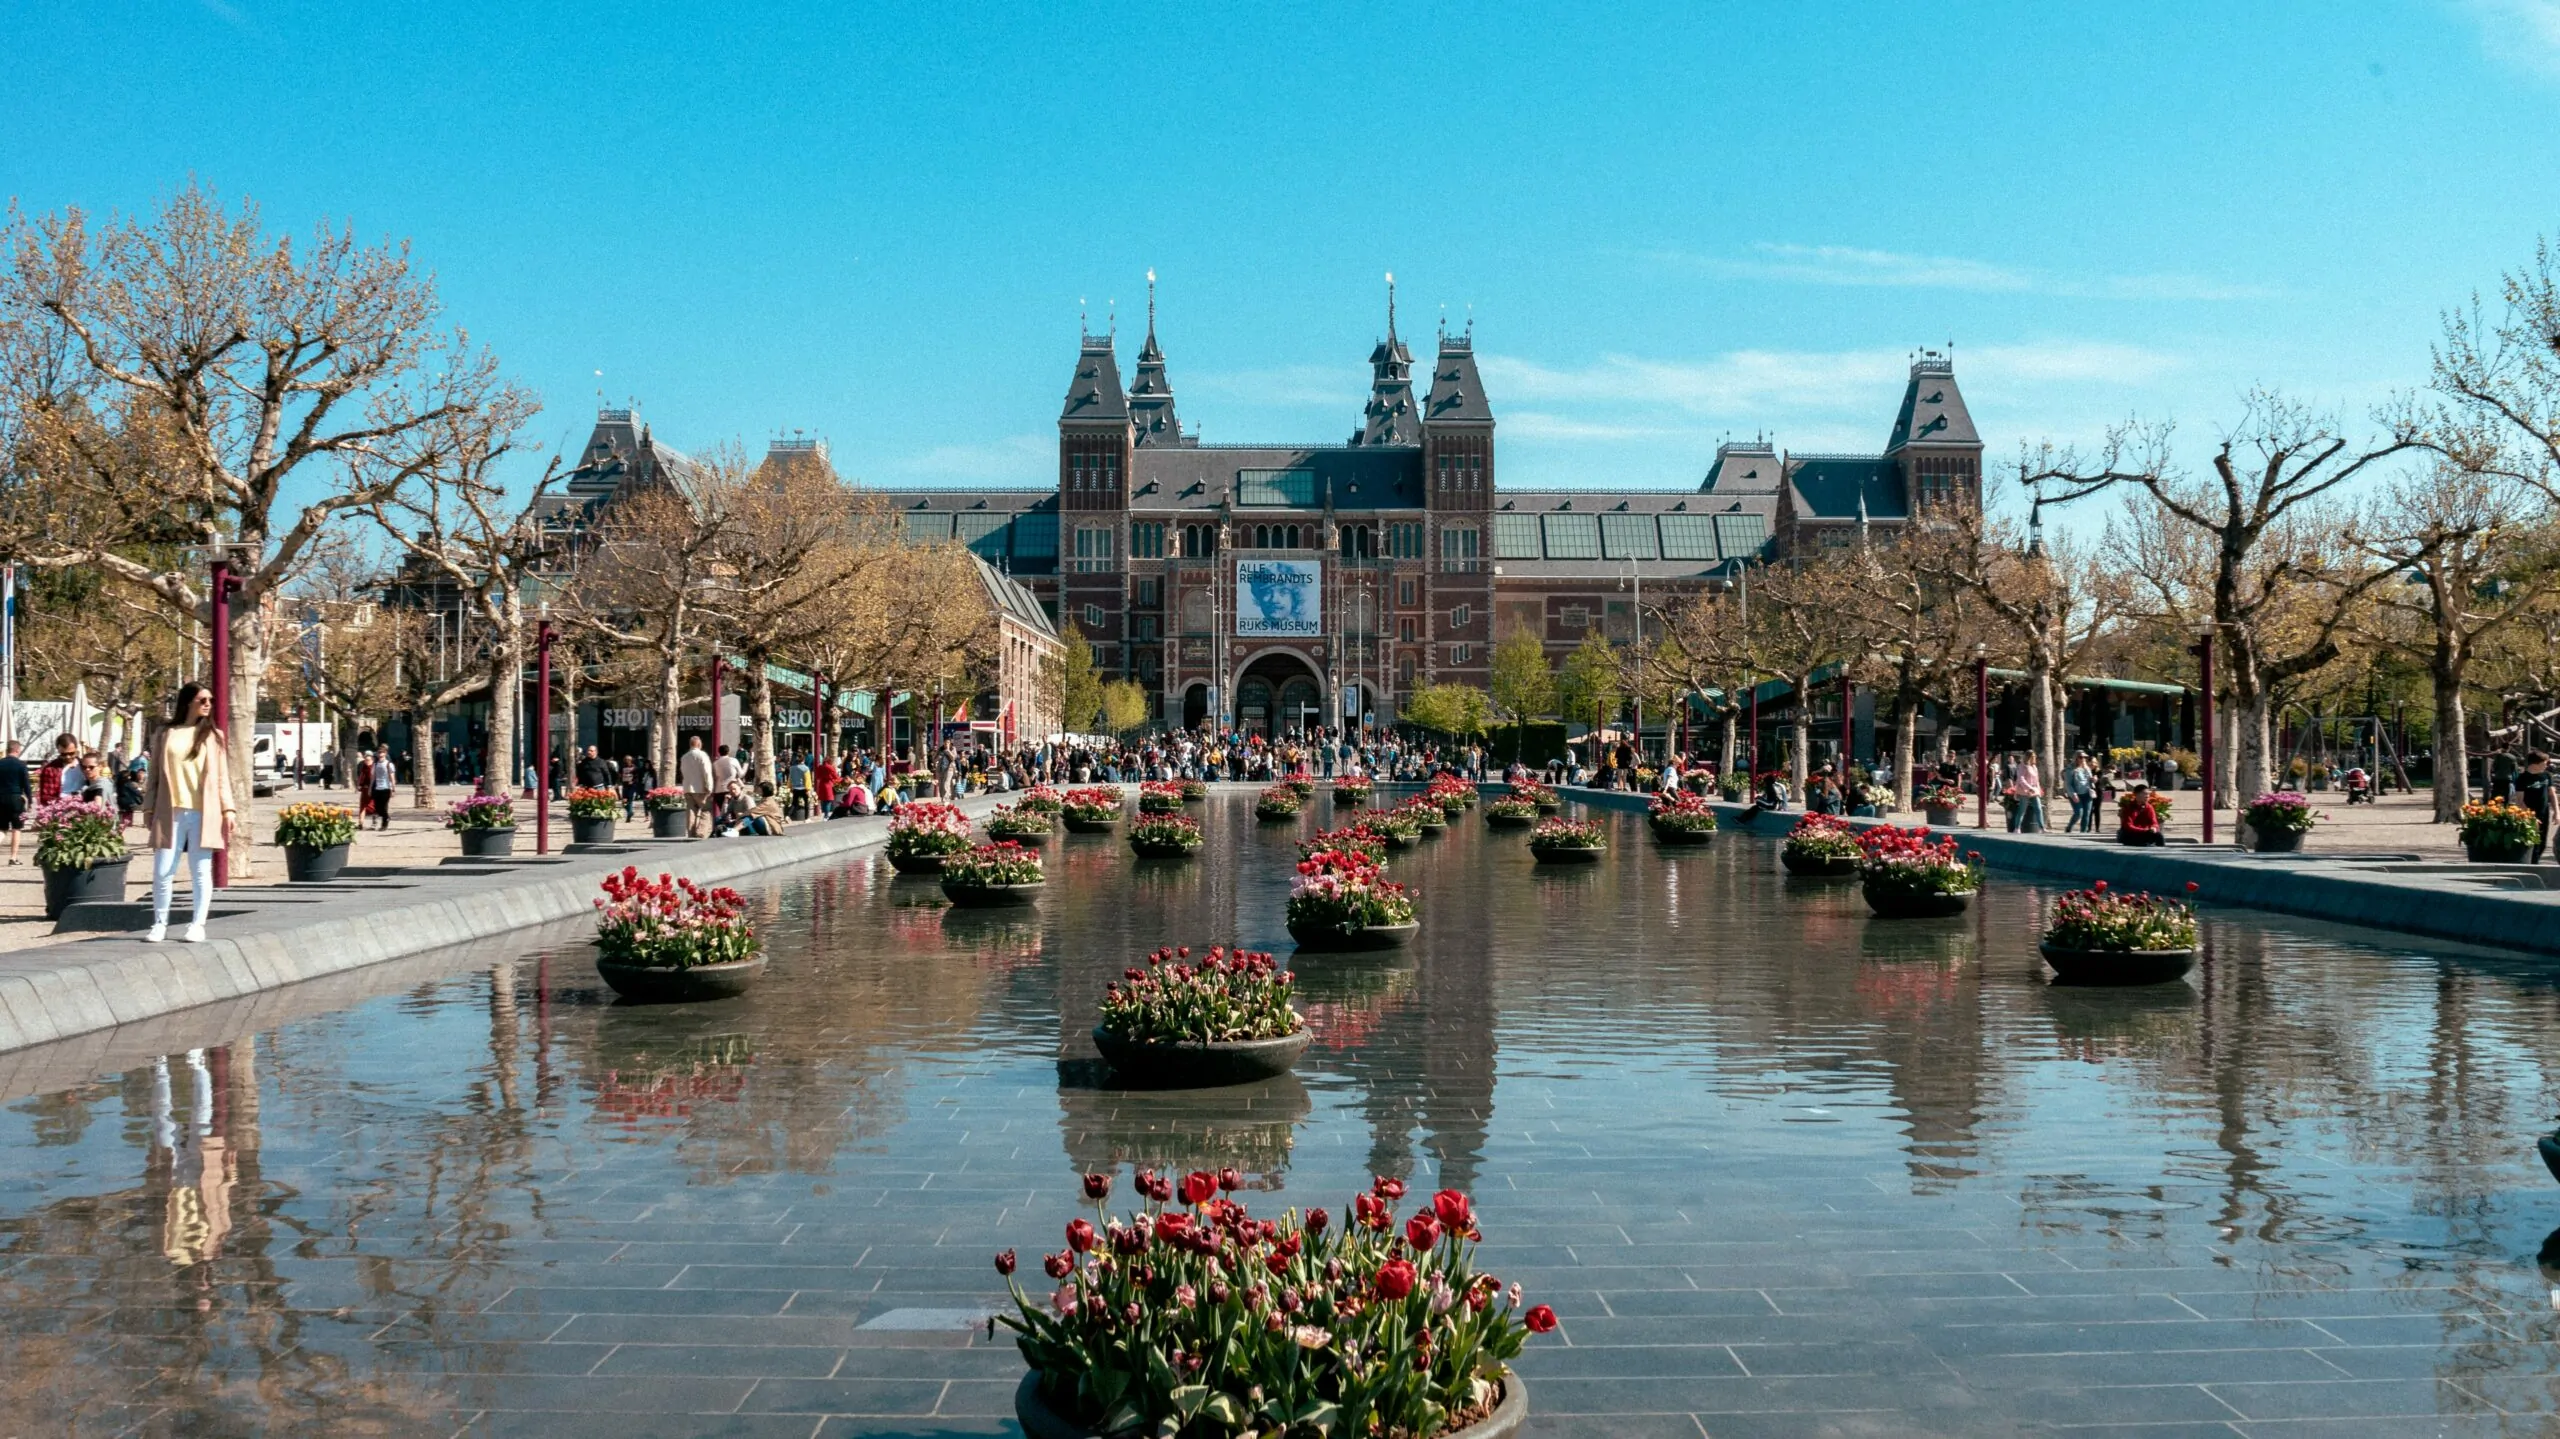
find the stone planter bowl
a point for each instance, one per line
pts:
(1159, 849)
(488, 843)
(1943, 818)
(1549, 806)
(307, 864)
(1035, 836)
(1509, 821)
(2276, 841)
(1091, 826)
(2510, 853)
(1677, 838)
(668, 823)
(990, 896)
(1200, 1066)
(1324, 939)
(1811, 867)
(1276, 816)
(917, 863)
(660, 984)
(1567, 853)
(1431, 822)
(1397, 841)
(2117, 966)
(1902, 904)
(590, 831)
(1039, 1421)
(98, 883)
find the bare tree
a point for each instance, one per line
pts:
(645, 583)
(1920, 626)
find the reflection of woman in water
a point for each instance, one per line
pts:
(198, 1213)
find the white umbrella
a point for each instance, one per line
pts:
(80, 710)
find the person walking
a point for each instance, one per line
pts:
(2532, 790)
(2080, 786)
(2030, 797)
(17, 791)
(379, 781)
(693, 771)
(190, 808)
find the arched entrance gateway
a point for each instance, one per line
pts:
(1278, 693)
(1195, 706)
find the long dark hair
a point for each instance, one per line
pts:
(184, 710)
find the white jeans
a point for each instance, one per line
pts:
(186, 836)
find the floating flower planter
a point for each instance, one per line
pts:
(1568, 841)
(1821, 846)
(669, 940)
(1019, 825)
(1343, 900)
(1291, 1317)
(1279, 802)
(1451, 793)
(1431, 817)
(924, 833)
(1041, 799)
(1351, 791)
(1907, 875)
(1353, 838)
(1547, 800)
(1400, 829)
(1159, 797)
(1511, 812)
(1165, 836)
(2095, 937)
(1178, 1023)
(1681, 818)
(992, 876)
(1304, 789)
(1094, 809)
(1194, 791)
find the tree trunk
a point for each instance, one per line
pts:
(1726, 746)
(498, 772)
(1800, 734)
(2246, 726)
(1906, 746)
(2453, 741)
(760, 670)
(670, 698)
(248, 664)
(422, 757)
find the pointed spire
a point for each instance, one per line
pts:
(1391, 418)
(1151, 307)
(1151, 390)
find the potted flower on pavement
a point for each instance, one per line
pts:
(1176, 1023)
(1342, 899)
(1094, 809)
(1942, 804)
(485, 823)
(668, 813)
(669, 940)
(1355, 837)
(1018, 823)
(1907, 875)
(315, 838)
(1165, 836)
(81, 852)
(1681, 818)
(1278, 802)
(1821, 846)
(2496, 832)
(2277, 821)
(2095, 937)
(1568, 841)
(1204, 1320)
(1159, 797)
(924, 834)
(591, 814)
(992, 875)
(1351, 791)
(1510, 811)
(1400, 827)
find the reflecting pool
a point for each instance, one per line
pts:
(1783, 1169)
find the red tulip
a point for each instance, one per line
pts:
(1199, 1186)
(1541, 1320)
(1058, 1265)
(1097, 1186)
(1453, 1210)
(1230, 1179)
(1422, 1231)
(1079, 1235)
(1316, 1221)
(1004, 1263)
(1395, 1280)
(1389, 1189)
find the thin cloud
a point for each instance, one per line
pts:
(2526, 32)
(1851, 266)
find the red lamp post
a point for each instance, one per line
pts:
(1848, 730)
(2204, 720)
(719, 667)
(224, 584)
(543, 635)
(1981, 737)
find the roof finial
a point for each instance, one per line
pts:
(1151, 303)
(1084, 319)
(1391, 307)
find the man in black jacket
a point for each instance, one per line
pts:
(2532, 788)
(17, 787)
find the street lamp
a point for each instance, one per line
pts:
(543, 635)
(225, 582)
(1981, 736)
(2203, 652)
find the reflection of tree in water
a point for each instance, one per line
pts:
(1345, 999)
(1251, 1126)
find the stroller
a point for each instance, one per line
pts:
(2359, 787)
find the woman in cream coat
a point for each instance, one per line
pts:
(188, 806)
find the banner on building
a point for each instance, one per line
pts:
(1279, 599)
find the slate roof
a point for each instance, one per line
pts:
(1009, 596)
(1094, 396)
(621, 455)
(1201, 477)
(1748, 467)
(1933, 410)
(1151, 395)
(1831, 487)
(1457, 392)
(1391, 417)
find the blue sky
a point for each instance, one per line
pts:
(875, 224)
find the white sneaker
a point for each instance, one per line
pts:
(157, 933)
(195, 934)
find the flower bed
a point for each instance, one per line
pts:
(1193, 790)
(2094, 937)
(594, 804)
(1344, 891)
(1352, 789)
(1537, 794)
(1906, 874)
(665, 797)
(1092, 805)
(1041, 799)
(1159, 797)
(1303, 787)
(1426, 812)
(1203, 1320)
(1357, 837)
(671, 923)
(992, 866)
(1681, 816)
(1398, 827)
(1450, 792)
(1280, 801)
(76, 834)
(1165, 836)
(1568, 841)
(1510, 809)
(1014, 822)
(1228, 995)
(2494, 830)
(1821, 844)
(314, 826)
(928, 830)
(480, 812)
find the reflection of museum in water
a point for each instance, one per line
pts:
(1281, 586)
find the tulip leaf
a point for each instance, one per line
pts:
(1188, 1398)
(1225, 1409)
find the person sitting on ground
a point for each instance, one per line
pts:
(2138, 820)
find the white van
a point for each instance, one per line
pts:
(275, 749)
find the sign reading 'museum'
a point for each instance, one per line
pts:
(1279, 599)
